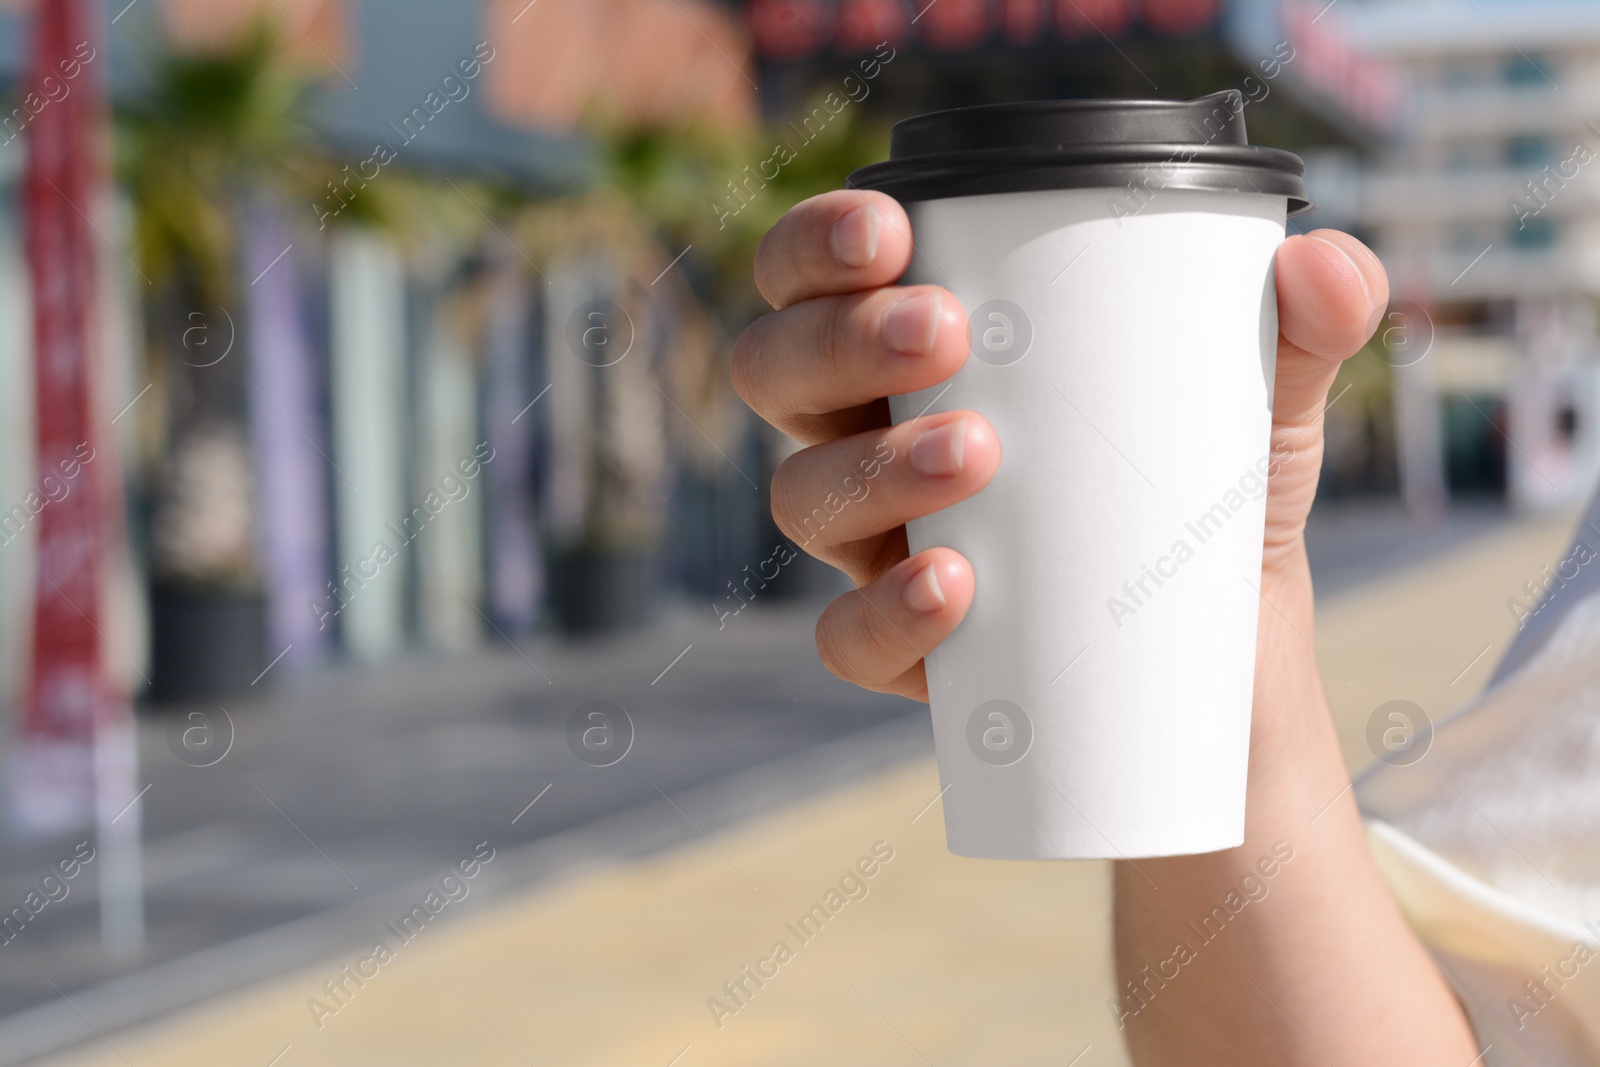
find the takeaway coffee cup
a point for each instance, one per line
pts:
(1115, 259)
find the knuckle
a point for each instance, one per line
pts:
(782, 494)
(853, 645)
(1292, 442)
(879, 644)
(827, 649)
(764, 266)
(833, 344)
(803, 521)
(800, 512)
(742, 368)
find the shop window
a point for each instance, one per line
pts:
(1475, 449)
(1567, 423)
(1528, 70)
(1536, 232)
(1530, 151)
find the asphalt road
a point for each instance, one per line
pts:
(347, 790)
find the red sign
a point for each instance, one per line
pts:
(865, 24)
(954, 25)
(1365, 87)
(789, 29)
(1178, 17)
(1091, 18)
(67, 696)
(1022, 21)
(792, 29)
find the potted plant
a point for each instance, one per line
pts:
(209, 124)
(717, 190)
(609, 335)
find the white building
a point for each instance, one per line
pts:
(1483, 200)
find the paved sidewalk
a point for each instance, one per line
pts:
(346, 788)
(1433, 632)
(943, 960)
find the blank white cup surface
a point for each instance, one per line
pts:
(1095, 702)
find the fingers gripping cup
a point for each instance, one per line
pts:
(1115, 258)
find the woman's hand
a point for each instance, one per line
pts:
(1325, 971)
(844, 336)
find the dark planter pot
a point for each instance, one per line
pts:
(598, 592)
(205, 643)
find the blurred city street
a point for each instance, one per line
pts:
(338, 788)
(400, 661)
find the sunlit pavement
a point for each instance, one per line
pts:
(931, 959)
(344, 791)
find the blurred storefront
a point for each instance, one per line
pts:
(442, 358)
(390, 367)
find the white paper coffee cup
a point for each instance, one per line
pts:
(1095, 702)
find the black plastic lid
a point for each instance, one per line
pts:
(1064, 144)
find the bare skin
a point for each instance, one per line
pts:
(1321, 970)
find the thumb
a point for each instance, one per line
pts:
(1331, 295)
(1332, 292)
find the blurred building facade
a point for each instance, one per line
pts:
(1480, 199)
(339, 500)
(363, 437)
(368, 424)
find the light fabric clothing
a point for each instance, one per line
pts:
(1491, 841)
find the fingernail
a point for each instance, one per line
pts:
(1373, 307)
(910, 325)
(922, 593)
(855, 236)
(939, 452)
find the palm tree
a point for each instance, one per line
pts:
(210, 131)
(661, 238)
(210, 127)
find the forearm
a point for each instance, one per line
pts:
(1288, 950)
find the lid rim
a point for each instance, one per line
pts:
(1143, 152)
(930, 180)
(1079, 103)
(1020, 147)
